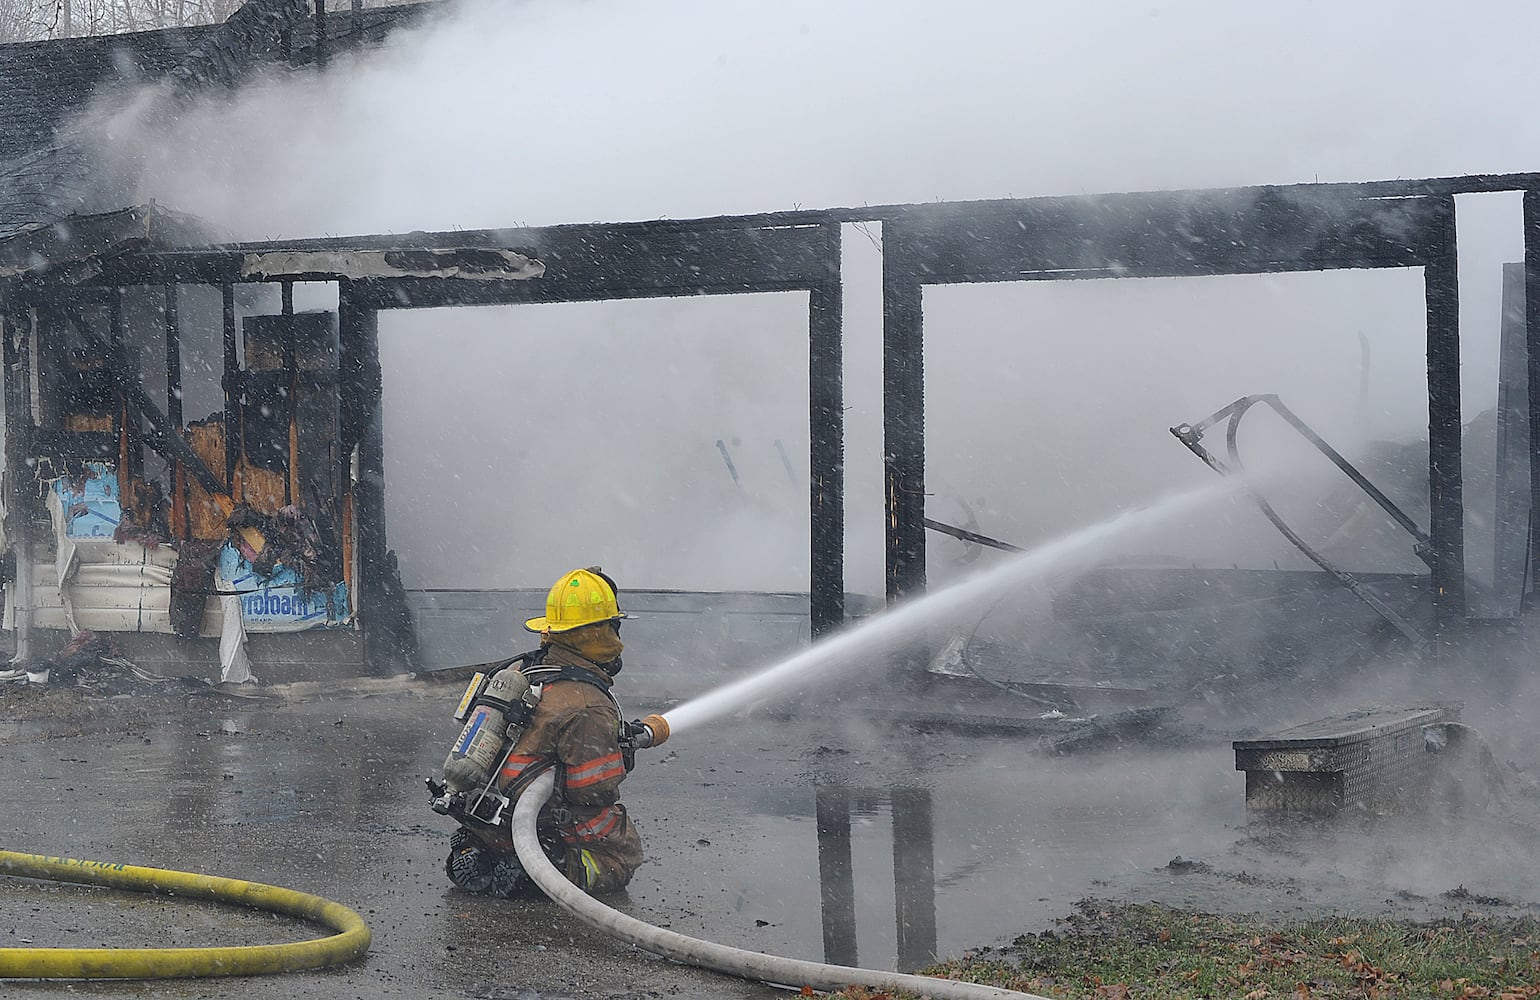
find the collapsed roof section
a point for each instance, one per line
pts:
(74, 249)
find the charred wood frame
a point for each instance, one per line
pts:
(1315, 227)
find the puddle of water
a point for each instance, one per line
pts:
(249, 768)
(883, 850)
(888, 877)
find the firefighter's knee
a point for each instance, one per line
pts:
(593, 874)
(583, 869)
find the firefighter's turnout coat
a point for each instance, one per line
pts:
(578, 726)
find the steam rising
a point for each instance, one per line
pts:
(943, 607)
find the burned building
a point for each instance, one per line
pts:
(184, 448)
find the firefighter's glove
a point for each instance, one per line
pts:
(632, 735)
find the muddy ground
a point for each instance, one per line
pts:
(320, 788)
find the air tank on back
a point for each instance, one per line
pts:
(497, 716)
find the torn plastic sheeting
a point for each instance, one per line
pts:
(85, 508)
(90, 504)
(277, 603)
(100, 584)
(472, 264)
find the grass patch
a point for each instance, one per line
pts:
(1117, 952)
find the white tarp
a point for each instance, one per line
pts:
(234, 664)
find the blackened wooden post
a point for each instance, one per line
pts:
(903, 417)
(119, 357)
(131, 450)
(826, 479)
(1532, 343)
(320, 34)
(171, 313)
(173, 359)
(21, 424)
(18, 417)
(836, 874)
(291, 491)
(1445, 491)
(115, 323)
(231, 382)
(371, 465)
(359, 369)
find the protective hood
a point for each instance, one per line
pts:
(595, 647)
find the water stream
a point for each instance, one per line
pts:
(855, 643)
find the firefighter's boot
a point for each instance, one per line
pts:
(470, 864)
(508, 877)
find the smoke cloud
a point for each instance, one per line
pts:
(524, 440)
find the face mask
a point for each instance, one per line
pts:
(595, 643)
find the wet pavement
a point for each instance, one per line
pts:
(824, 838)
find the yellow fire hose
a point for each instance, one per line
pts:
(350, 941)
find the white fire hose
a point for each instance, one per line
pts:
(707, 954)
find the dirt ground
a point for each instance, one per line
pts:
(320, 787)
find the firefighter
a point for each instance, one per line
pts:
(577, 725)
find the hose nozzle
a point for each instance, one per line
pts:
(655, 731)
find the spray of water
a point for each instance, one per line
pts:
(946, 604)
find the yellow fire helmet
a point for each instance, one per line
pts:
(582, 597)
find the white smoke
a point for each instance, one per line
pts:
(1048, 406)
